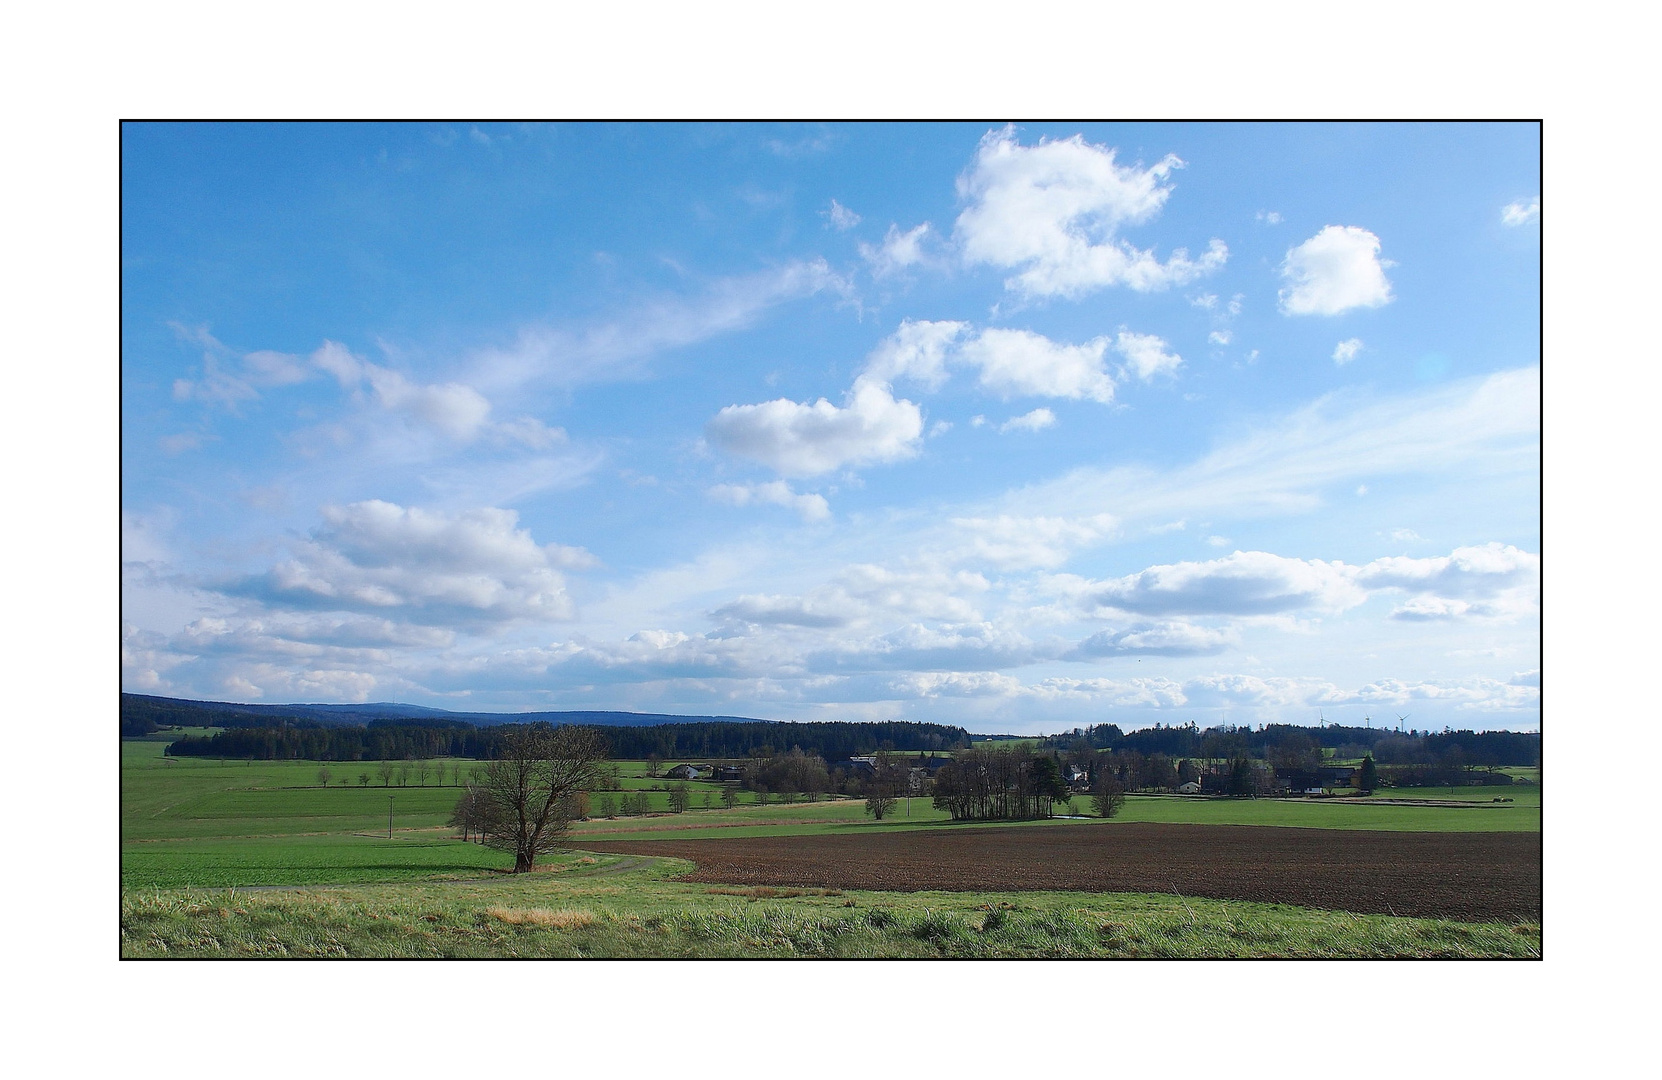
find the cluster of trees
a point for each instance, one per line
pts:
(795, 771)
(1144, 772)
(991, 782)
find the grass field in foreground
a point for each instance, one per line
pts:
(604, 908)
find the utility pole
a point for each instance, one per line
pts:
(389, 817)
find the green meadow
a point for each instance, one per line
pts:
(209, 823)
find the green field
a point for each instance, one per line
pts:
(342, 887)
(207, 822)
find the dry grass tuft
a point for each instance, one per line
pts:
(555, 920)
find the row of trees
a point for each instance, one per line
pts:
(402, 772)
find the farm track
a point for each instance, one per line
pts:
(624, 864)
(1476, 877)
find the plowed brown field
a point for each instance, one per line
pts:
(1470, 876)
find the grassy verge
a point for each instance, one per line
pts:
(592, 910)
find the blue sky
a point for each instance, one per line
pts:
(1016, 427)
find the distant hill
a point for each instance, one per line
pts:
(143, 713)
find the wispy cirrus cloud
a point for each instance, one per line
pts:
(619, 348)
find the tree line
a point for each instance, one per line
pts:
(400, 739)
(379, 740)
(1270, 742)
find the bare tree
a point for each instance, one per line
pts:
(423, 767)
(363, 779)
(884, 783)
(679, 798)
(384, 773)
(323, 777)
(1107, 796)
(404, 774)
(467, 816)
(527, 795)
(729, 796)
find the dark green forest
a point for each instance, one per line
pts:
(1150, 759)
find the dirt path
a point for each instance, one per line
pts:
(625, 863)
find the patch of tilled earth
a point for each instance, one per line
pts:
(1470, 876)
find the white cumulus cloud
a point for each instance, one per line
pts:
(456, 410)
(1013, 542)
(1169, 638)
(1146, 355)
(841, 217)
(1037, 420)
(1521, 212)
(917, 350)
(812, 507)
(897, 251)
(1019, 362)
(423, 566)
(1053, 212)
(795, 439)
(1334, 271)
(1489, 581)
(1244, 583)
(1345, 351)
